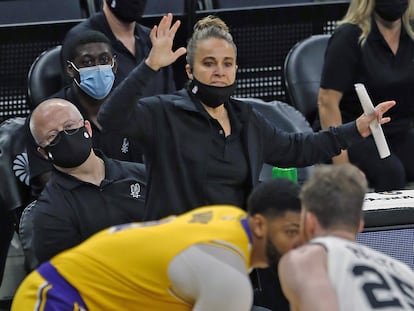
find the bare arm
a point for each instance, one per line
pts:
(330, 115)
(305, 281)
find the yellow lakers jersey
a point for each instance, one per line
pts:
(126, 267)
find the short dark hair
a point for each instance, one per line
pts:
(274, 197)
(335, 195)
(71, 45)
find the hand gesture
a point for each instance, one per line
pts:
(162, 39)
(364, 120)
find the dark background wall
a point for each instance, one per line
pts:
(264, 34)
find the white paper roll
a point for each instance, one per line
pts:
(375, 127)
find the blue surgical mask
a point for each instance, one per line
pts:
(96, 81)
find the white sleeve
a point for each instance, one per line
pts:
(211, 278)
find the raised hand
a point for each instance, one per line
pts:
(162, 39)
(364, 120)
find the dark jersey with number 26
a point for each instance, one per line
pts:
(365, 279)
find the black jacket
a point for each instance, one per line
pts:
(176, 136)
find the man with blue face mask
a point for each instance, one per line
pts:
(86, 191)
(119, 21)
(91, 66)
(96, 81)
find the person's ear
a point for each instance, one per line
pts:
(189, 71)
(310, 225)
(88, 127)
(258, 226)
(42, 152)
(115, 67)
(361, 226)
(70, 70)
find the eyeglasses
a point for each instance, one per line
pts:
(69, 128)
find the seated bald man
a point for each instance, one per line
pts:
(87, 191)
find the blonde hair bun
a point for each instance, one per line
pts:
(211, 21)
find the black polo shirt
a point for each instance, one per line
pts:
(69, 210)
(227, 165)
(385, 75)
(164, 80)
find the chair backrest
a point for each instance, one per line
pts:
(14, 168)
(93, 6)
(26, 237)
(302, 73)
(45, 76)
(287, 118)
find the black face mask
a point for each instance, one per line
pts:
(127, 11)
(212, 96)
(71, 150)
(391, 10)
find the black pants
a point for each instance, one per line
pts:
(390, 173)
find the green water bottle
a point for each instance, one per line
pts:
(289, 173)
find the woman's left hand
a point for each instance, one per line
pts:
(364, 120)
(162, 39)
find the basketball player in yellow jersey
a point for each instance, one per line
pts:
(196, 261)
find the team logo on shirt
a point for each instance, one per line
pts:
(135, 190)
(125, 145)
(21, 168)
(202, 218)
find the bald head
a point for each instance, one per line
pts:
(50, 117)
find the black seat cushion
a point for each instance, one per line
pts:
(302, 73)
(45, 76)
